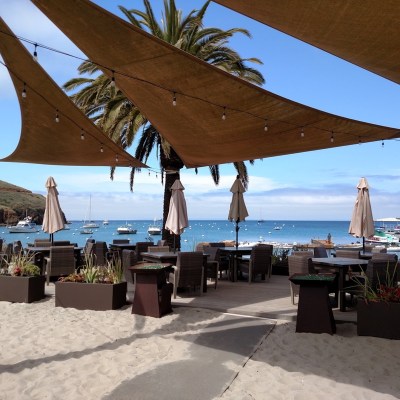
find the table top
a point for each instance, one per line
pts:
(236, 250)
(159, 254)
(312, 278)
(339, 261)
(149, 268)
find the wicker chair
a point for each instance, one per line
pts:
(260, 262)
(298, 265)
(348, 253)
(60, 262)
(6, 254)
(128, 260)
(188, 272)
(142, 247)
(308, 253)
(384, 257)
(212, 263)
(158, 249)
(42, 243)
(121, 241)
(320, 252)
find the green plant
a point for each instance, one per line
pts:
(384, 287)
(21, 264)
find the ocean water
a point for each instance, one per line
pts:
(291, 232)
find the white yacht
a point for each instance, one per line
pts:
(154, 229)
(126, 229)
(24, 226)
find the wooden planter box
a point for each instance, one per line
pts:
(21, 289)
(378, 319)
(91, 296)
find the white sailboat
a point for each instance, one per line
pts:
(88, 225)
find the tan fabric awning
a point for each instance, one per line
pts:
(43, 140)
(363, 32)
(149, 71)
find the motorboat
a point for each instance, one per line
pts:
(382, 238)
(126, 229)
(154, 229)
(24, 226)
(86, 231)
(105, 222)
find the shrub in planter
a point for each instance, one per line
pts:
(20, 280)
(94, 287)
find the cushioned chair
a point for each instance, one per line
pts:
(260, 262)
(61, 261)
(61, 243)
(188, 271)
(42, 243)
(384, 256)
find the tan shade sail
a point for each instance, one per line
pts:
(363, 32)
(43, 140)
(151, 73)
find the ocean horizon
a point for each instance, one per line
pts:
(276, 231)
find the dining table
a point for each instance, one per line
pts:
(171, 257)
(234, 253)
(341, 265)
(119, 247)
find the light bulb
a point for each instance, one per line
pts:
(112, 82)
(116, 158)
(224, 114)
(82, 135)
(174, 100)
(57, 119)
(266, 126)
(101, 149)
(332, 138)
(35, 56)
(23, 94)
(302, 132)
(383, 144)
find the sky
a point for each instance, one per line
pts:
(318, 185)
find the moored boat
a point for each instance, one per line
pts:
(126, 229)
(154, 229)
(24, 226)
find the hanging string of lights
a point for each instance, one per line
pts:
(174, 93)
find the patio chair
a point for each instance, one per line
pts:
(100, 252)
(320, 252)
(158, 249)
(298, 265)
(6, 254)
(142, 247)
(212, 263)
(128, 260)
(188, 271)
(384, 256)
(42, 243)
(121, 241)
(348, 253)
(300, 253)
(259, 263)
(61, 262)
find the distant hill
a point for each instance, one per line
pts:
(17, 202)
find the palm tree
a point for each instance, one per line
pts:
(121, 120)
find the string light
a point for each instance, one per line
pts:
(116, 158)
(82, 134)
(266, 126)
(57, 117)
(224, 114)
(174, 99)
(332, 138)
(302, 131)
(101, 148)
(383, 144)
(112, 79)
(23, 94)
(35, 56)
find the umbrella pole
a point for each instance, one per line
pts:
(363, 244)
(237, 234)
(174, 243)
(51, 238)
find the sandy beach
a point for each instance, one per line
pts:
(54, 353)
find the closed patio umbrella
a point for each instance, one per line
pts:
(362, 221)
(237, 211)
(53, 220)
(177, 219)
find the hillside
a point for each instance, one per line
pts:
(17, 202)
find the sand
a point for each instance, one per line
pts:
(57, 353)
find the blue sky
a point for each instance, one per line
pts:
(319, 185)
